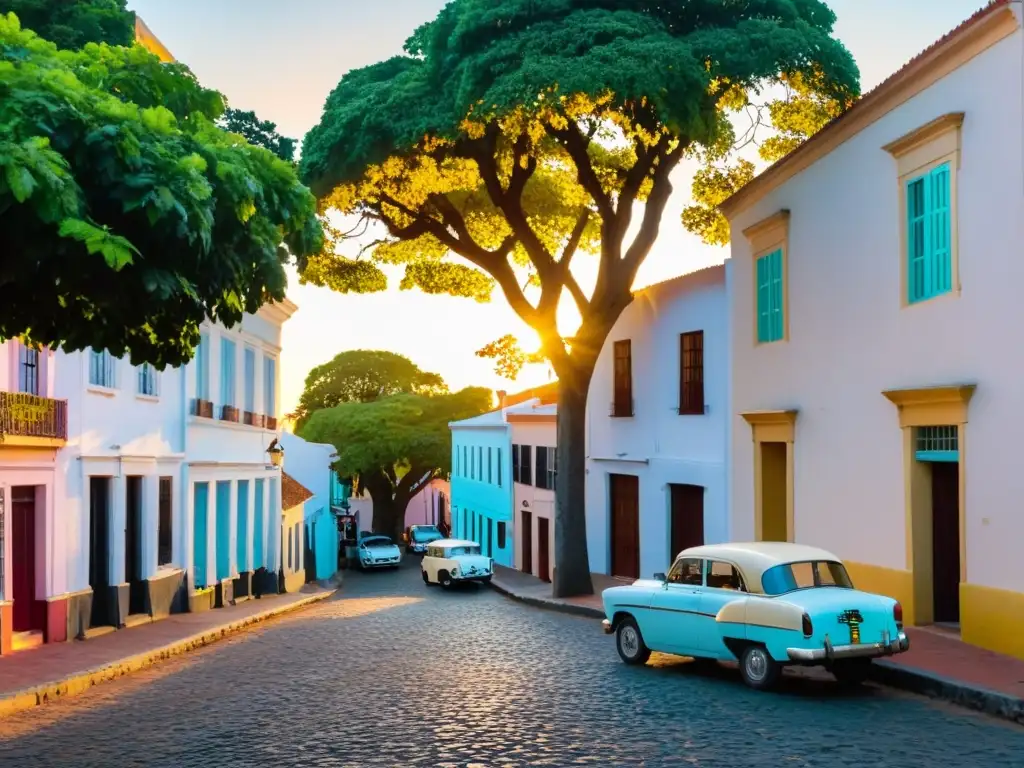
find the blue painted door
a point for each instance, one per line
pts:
(257, 528)
(200, 503)
(243, 526)
(223, 529)
(675, 618)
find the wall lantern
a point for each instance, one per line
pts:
(276, 453)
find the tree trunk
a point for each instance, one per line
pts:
(572, 560)
(388, 512)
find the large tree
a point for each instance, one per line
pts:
(516, 134)
(395, 445)
(70, 24)
(362, 376)
(126, 215)
(262, 133)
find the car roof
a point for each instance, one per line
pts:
(373, 536)
(423, 525)
(454, 543)
(754, 558)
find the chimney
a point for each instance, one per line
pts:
(502, 395)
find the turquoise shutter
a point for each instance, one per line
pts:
(257, 527)
(916, 240)
(227, 372)
(202, 496)
(242, 538)
(763, 299)
(776, 295)
(250, 380)
(223, 529)
(940, 231)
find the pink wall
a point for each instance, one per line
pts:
(419, 511)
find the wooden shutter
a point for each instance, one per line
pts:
(524, 465)
(542, 467)
(515, 463)
(691, 373)
(623, 405)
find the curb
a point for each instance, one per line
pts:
(37, 695)
(885, 673)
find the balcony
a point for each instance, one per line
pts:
(29, 421)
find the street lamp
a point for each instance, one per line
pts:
(276, 453)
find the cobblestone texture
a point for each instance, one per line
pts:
(393, 673)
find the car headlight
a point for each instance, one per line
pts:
(455, 571)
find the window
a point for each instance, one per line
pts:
(687, 571)
(499, 467)
(250, 380)
(227, 372)
(455, 462)
(929, 235)
(480, 462)
(770, 320)
(490, 466)
(165, 535)
(724, 576)
(270, 386)
(623, 403)
(521, 464)
(28, 370)
(515, 463)
(691, 373)
(101, 369)
(792, 576)
(472, 464)
(290, 566)
(546, 462)
(490, 539)
(465, 462)
(501, 535)
(298, 546)
(203, 367)
(147, 380)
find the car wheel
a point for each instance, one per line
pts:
(759, 670)
(630, 643)
(852, 672)
(425, 579)
(445, 579)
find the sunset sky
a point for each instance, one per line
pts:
(282, 60)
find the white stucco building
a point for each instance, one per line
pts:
(533, 427)
(657, 423)
(876, 316)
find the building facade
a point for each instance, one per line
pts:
(310, 465)
(33, 427)
(874, 308)
(293, 536)
(657, 416)
(533, 426)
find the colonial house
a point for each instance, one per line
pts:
(533, 426)
(233, 508)
(33, 426)
(310, 465)
(294, 497)
(657, 416)
(874, 309)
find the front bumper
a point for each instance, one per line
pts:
(381, 563)
(887, 647)
(478, 576)
(606, 627)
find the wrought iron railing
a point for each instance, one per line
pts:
(23, 415)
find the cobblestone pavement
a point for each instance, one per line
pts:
(392, 673)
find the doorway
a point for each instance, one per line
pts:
(23, 549)
(625, 525)
(946, 542)
(774, 503)
(527, 543)
(133, 566)
(103, 609)
(200, 505)
(543, 549)
(687, 513)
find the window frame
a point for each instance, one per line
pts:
(622, 396)
(228, 372)
(765, 238)
(30, 359)
(710, 561)
(677, 566)
(108, 364)
(691, 361)
(147, 375)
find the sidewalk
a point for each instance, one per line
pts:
(33, 677)
(938, 664)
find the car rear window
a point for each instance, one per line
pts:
(804, 575)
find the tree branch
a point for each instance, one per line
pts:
(576, 144)
(661, 191)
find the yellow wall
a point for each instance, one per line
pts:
(992, 618)
(897, 584)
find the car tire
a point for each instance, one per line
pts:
(425, 579)
(758, 669)
(851, 672)
(629, 642)
(445, 579)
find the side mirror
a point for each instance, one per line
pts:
(659, 577)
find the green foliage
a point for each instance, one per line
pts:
(509, 358)
(362, 376)
(407, 429)
(129, 217)
(70, 24)
(262, 133)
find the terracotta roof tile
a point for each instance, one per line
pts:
(293, 492)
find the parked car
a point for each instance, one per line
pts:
(376, 551)
(766, 605)
(419, 536)
(453, 561)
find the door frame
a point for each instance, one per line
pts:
(773, 427)
(30, 609)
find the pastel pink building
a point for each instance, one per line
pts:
(33, 427)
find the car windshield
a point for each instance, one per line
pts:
(425, 534)
(375, 543)
(813, 573)
(456, 551)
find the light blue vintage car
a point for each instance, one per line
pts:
(766, 605)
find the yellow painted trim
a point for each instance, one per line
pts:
(22, 441)
(897, 584)
(975, 37)
(992, 618)
(939, 129)
(927, 407)
(767, 235)
(772, 427)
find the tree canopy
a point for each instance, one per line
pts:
(362, 376)
(126, 215)
(70, 24)
(517, 134)
(262, 133)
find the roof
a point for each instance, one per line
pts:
(546, 393)
(145, 37)
(531, 412)
(704, 275)
(454, 543)
(951, 51)
(489, 419)
(293, 493)
(754, 558)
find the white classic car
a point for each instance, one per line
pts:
(419, 537)
(766, 605)
(379, 552)
(452, 561)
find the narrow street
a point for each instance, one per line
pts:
(393, 673)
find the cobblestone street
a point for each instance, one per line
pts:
(393, 673)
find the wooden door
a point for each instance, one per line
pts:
(133, 546)
(527, 542)
(23, 548)
(625, 526)
(946, 541)
(543, 549)
(99, 551)
(687, 518)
